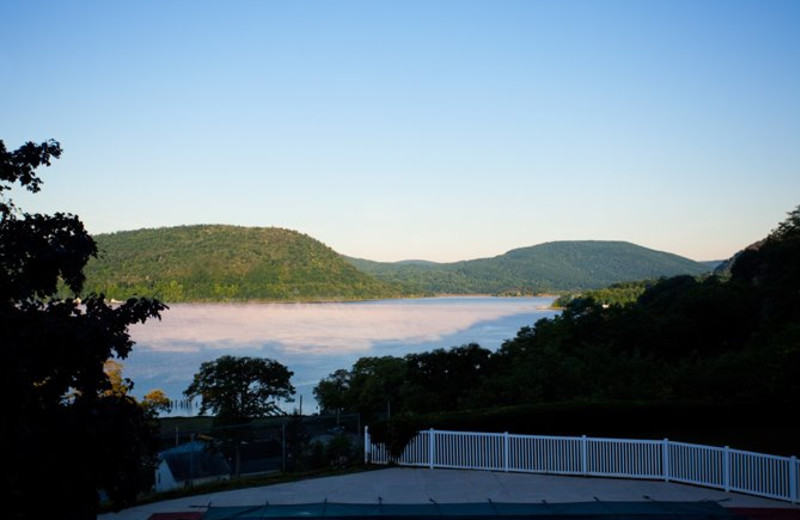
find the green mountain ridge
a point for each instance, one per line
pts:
(230, 263)
(226, 263)
(552, 266)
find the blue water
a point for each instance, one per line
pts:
(313, 340)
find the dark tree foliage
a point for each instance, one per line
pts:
(622, 293)
(331, 392)
(376, 386)
(772, 269)
(446, 379)
(240, 389)
(65, 436)
(387, 386)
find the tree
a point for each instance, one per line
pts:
(66, 434)
(445, 379)
(156, 401)
(332, 392)
(789, 229)
(119, 385)
(376, 386)
(239, 389)
(153, 403)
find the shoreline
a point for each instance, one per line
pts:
(299, 303)
(354, 300)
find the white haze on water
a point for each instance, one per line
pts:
(325, 328)
(315, 339)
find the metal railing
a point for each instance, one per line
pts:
(747, 472)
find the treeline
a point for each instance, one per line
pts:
(621, 293)
(714, 340)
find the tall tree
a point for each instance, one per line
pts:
(332, 392)
(239, 389)
(66, 434)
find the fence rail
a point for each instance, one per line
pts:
(757, 474)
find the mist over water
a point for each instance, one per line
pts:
(315, 339)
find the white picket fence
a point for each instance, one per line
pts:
(757, 474)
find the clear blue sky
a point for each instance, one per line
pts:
(442, 130)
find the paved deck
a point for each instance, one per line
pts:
(411, 485)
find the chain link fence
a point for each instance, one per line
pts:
(193, 452)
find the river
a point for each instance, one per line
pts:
(314, 339)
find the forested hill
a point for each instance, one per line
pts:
(226, 263)
(553, 266)
(229, 263)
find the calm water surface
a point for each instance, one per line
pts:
(315, 339)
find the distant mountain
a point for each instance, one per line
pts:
(553, 266)
(229, 263)
(224, 263)
(712, 264)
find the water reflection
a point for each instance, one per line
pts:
(313, 340)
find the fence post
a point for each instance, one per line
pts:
(793, 479)
(367, 445)
(584, 455)
(432, 447)
(505, 452)
(726, 468)
(665, 459)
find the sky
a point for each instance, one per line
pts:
(415, 129)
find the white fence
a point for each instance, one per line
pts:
(723, 468)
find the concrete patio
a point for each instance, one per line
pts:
(411, 485)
